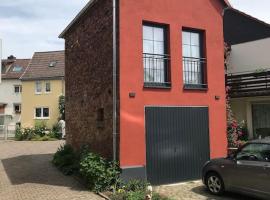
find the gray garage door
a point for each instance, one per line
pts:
(177, 140)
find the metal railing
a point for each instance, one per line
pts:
(7, 132)
(194, 72)
(248, 84)
(156, 70)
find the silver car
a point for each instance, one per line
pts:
(246, 171)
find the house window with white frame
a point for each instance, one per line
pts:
(38, 88)
(42, 113)
(47, 87)
(17, 89)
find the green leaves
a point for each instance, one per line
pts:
(66, 160)
(99, 173)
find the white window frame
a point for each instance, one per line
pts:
(20, 89)
(17, 104)
(42, 115)
(48, 82)
(37, 92)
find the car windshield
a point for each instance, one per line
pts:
(258, 152)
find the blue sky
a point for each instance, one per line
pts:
(27, 26)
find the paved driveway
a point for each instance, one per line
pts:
(26, 173)
(195, 191)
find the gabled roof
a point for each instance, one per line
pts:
(92, 2)
(240, 27)
(45, 65)
(13, 69)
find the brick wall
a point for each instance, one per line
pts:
(89, 61)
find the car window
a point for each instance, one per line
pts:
(255, 152)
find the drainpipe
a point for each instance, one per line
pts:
(114, 83)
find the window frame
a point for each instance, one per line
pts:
(42, 112)
(37, 92)
(166, 48)
(20, 89)
(202, 59)
(20, 106)
(48, 82)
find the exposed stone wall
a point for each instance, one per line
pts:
(89, 80)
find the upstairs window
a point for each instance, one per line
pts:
(17, 108)
(194, 63)
(38, 88)
(47, 87)
(17, 68)
(17, 89)
(155, 57)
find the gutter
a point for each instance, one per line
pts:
(114, 82)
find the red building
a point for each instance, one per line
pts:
(145, 85)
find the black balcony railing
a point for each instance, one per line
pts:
(248, 84)
(194, 73)
(156, 70)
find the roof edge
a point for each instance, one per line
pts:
(43, 78)
(82, 12)
(227, 3)
(249, 16)
(89, 5)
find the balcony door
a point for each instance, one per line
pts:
(261, 120)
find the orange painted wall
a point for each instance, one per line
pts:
(200, 14)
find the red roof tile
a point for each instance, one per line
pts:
(13, 69)
(39, 67)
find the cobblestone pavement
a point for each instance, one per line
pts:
(195, 191)
(26, 173)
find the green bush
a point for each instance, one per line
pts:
(157, 196)
(55, 132)
(99, 173)
(66, 160)
(135, 185)
(135, 190)
(40, 128)
(29, 133)
(18, 134)
(38, 133)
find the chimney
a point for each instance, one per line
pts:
(11, 58)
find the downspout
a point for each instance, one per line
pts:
(114, 82)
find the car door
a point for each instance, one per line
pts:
(250, 172)
(265, 181)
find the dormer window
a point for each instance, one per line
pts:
(17, 68)
(53, 64)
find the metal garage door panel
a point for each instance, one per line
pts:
(177, 141)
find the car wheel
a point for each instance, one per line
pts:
(214, 183)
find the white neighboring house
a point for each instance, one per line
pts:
(10, 90)
(248, 71)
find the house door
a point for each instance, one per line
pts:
(261, 120)
(177, 140)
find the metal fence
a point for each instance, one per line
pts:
(7, 132)
(156, 69)
(194, 72)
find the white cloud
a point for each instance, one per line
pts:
(27, 26)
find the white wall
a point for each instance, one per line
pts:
(7, 95)
(250, 56)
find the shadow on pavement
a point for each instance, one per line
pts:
(37, 169)
(202, 190)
